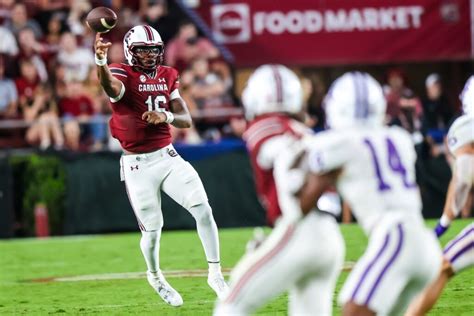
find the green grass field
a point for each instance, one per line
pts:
(28, 267)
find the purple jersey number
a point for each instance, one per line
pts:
(394, 162)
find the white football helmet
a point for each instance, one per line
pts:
(272, 88)
(467, 97)
(143, 36)
(355, 98)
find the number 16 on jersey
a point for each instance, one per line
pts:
(154, 105)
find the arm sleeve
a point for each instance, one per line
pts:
(118, 72)
(122, 75)
(327, 152)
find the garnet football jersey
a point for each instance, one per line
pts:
(262, 131)
(143, 92)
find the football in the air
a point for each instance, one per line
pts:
(101, 19)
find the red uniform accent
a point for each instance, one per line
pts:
(143, 93)
(258, 132)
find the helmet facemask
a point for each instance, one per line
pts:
(147, 57)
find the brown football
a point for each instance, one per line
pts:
(101, 19)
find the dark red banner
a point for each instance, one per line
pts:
(317, 32)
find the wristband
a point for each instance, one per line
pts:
(169, 117)
(100, 62)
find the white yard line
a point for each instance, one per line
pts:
(141, 275)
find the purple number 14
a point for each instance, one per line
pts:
(394, 162)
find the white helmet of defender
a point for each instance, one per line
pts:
(272, 88)
(355, 98)
(467, 97)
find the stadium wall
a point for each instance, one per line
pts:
(84, 194)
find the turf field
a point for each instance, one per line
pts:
(102, 275)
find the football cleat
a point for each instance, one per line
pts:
(164, 289)
(217, 283)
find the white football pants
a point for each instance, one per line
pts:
(401, 259)
(460, 251)
(146, 174)
(305, 258)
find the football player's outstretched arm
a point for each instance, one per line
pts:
(111, 85)
(182, 118)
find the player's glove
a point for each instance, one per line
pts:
(440, 229)
(442, 225)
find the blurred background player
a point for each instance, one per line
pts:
(373, 167)
(145, 101)
(459, 252)
(273, 126)
(303, 254)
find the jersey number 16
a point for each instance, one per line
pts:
(154, 105)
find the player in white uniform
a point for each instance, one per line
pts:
(373, 167)
(459, 252)
(304, 253)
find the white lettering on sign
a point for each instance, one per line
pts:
(312, 21)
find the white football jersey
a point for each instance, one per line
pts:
(378, 166)
(461, 132)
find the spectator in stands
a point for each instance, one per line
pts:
(209, 94)
(35, 51)
(8, 44)
(187, 46)
(437, 115)
(127, 18)
(115, 53)
(27, 82)
(55, 28)
(77, 61)
(77, 14)
(155, 13)
(83, 124)
(314, 91)
(41, 114)
(8, 94)
(437, 111)
(93, 90)
(403, 106)
(6, 7)
(19, 20)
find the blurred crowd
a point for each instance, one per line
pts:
(50, 96)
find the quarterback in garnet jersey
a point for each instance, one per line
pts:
(143, 92)
(145, 100)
